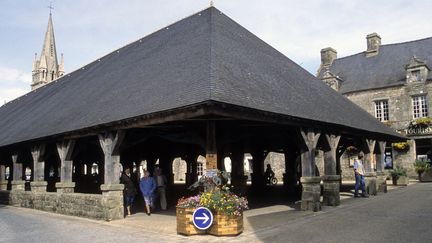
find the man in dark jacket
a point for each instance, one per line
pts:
(129, 190)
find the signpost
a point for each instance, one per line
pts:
(202, 218)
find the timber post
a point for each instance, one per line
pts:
(311, 184)
(3, 181)
(370, 175)
(38, 184)
(381, 181)
(331, 180)
(64, 150)
(112, 190)
(17, 182)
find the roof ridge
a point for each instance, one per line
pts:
(387, 45)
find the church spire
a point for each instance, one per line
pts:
(46, 68)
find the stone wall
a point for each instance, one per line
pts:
(95, 206)
(277, 162)
(400, 113)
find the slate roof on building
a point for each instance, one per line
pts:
(205, 57)
(386, 69)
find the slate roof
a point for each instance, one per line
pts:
(386, 69)
(205, 57)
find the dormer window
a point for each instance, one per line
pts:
(415, 76)
(417, 70)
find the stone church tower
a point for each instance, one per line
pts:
(46, 68)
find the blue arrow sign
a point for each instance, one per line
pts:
(202, 218)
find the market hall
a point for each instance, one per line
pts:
(201, 86)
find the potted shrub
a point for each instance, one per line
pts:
(399, 176)
(421, 166)
(227, 208)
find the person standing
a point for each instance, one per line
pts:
(147, 187)
(161, 182)
(129, 191)
(359, 176)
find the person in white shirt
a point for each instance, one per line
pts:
(359, 176)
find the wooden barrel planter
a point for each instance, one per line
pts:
(225, 225)
(185, 225)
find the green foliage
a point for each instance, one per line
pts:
(398, 172)
(421, 166)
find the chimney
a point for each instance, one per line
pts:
(373, 44)
(328, 55)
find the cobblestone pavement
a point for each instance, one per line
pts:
(402, 215)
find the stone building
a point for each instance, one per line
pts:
(203, 86)
(393, 83)
(46, 68)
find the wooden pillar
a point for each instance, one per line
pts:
(290, 177)
(38, 184)
(165, 163)
(17, 183)
(110, 143)
(331, 180)
(370, 175)
(3, 181)
(191, 172)
(311, 183)
(211, 148)
(64, 150)
(381, 183)
(112, 190)
(258, 157)
(238, 179)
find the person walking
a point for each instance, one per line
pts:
(359, 176)
(147, 187)
(129, 191)
(161, 182)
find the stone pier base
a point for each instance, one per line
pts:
(381, 183)
(38, 186)
(331, 190)
(311, 193)
(65, 187)
(3, 185)
(371, 183)
(112, 201)
(18, 185)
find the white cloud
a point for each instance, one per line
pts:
(8, 94)
(14, 75)
(13, 83)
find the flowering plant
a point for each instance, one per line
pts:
(220, 201)
(402, 146)
(351, 150)
(189, 202)
(216, 196)
(420, 122)
(224, 201)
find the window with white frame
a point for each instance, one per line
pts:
(381, 110)
(420, 107)
(199, 169)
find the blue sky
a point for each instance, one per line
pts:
(86, 30)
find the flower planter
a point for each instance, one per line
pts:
(400, 181)
(224, 225)
(426, 176)
(185, 225)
